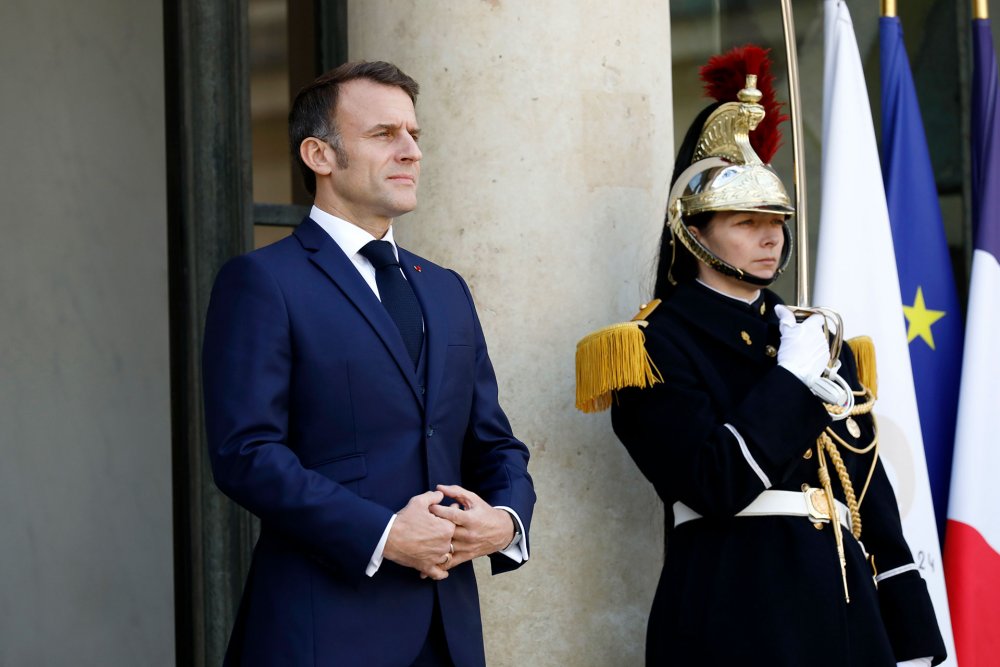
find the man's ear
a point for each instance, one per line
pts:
(317, 155)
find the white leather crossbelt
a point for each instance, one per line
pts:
(809, 503)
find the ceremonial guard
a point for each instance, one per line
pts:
(783, 539)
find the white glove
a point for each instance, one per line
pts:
(804, 350)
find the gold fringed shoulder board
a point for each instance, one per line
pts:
(613, 358)
(863, 348)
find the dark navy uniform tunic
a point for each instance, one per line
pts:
(760, 590)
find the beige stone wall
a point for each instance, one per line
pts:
(547, 156)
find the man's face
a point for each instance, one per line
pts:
(379, 132)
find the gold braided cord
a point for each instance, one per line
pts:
(862, 450)
(856, 450)
(867, 405)
(845, 482)
(859, 408)
(824, 480)
(868, 480)
(825, 445)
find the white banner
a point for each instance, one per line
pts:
(856, 276)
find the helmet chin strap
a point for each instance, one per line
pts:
(680, 232)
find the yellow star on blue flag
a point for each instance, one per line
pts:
(920, 319)
(923, 259)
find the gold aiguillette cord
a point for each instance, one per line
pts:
(824, 479)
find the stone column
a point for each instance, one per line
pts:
(547, 157)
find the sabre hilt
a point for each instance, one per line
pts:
(831, 388)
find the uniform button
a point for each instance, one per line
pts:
(804, 487)
(430, 432)
(808, 454)
(746, 338)
(771, 351)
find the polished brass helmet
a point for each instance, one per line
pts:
(726, 174)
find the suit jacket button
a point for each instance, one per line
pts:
(422, 390)
(771, 351)
(430, 432)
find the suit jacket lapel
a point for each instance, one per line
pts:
(327, 255)
(435, 318)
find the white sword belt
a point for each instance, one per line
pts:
(809, 503)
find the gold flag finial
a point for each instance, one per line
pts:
(980, 9)
(889, 8)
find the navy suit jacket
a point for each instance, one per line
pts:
(319, 425)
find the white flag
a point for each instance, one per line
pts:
(856, 276)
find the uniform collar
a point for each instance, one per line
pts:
(749, 328)
(730, 296)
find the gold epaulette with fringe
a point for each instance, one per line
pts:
(863, 348)
(613, 358)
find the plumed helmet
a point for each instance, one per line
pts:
(725, 158)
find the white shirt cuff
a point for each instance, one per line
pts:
(916, 662)
(376, 561)
(518, 549)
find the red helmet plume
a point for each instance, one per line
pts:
(725, 75)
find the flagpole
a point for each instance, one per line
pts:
(889, 8)
(980, 9)
(795, 106)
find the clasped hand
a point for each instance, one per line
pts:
(433, 538)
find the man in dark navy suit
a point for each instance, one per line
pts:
(352, 406)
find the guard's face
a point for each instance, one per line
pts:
(379, 132)
(749, 241)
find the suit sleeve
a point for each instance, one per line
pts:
(247, 361)
(494, 462)
(713, 459)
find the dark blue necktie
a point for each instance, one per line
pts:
(397, 295)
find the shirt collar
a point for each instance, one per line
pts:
(749, 301)
(347, 235)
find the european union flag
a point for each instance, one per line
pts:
(930, 301)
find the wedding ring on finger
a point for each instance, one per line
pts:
(445, 560)
(451, 547)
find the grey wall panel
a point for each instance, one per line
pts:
(86, 553)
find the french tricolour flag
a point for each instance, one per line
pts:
(972, 543)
